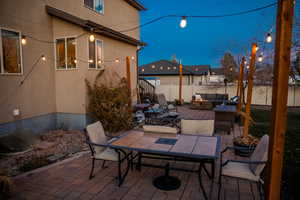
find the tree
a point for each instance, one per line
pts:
(229, 67)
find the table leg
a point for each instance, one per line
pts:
(200, 180)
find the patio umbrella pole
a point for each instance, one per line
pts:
(282, 61)
(240, 85)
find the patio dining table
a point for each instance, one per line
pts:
(181, 147)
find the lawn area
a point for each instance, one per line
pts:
(291, 168)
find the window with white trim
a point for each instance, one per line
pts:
(10, 52)
(66, 53)
(95, 54)
(96, 5)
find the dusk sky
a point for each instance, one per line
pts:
(204, 40)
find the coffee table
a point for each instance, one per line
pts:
(181, 147)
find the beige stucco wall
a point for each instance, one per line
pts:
(70, 84)
(36, 96)
(262, 95)
(48, 90)
(118, 14)
(174, 80)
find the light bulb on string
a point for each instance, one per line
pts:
(117, 60)
(43, 57)
(92, 38)
(269, 38)
(23, 40)
(260, 58)
(90, 61)
(248, 67)
(183, 22)
(257, 48)
(75, 61)
(132, 57)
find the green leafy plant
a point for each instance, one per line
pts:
(110, 105)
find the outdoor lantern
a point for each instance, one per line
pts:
(92, 38)
(23, 40)
(183, 22)
(269, 38)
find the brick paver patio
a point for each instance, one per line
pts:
(69, 180)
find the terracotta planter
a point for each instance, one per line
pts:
(242, 152)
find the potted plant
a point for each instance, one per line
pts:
(245, 143)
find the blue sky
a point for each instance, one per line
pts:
(204, 40)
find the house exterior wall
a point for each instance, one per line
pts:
(51, 96)
(118, 14)
(36, 96)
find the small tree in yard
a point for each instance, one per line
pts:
(229, 67)
(110, 104)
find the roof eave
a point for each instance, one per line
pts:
(98, 28)
(136, 5)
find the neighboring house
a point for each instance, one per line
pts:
(217, 76)
(54, 93)
(165, 72)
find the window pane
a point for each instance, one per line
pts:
(99, 53)
(99, 6)
(11, 52)
(60, 54)
(89, 3)
(71, 52)
(92, 55)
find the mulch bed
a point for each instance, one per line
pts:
(53, 146)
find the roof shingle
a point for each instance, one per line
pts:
(166, 67)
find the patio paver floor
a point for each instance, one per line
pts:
(70, 180)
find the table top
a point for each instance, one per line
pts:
(225, 108)
(191, 146)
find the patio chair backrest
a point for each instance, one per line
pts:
(197, 127)
(96, 135)
(162, 100)
(160, 129)
(260, 154)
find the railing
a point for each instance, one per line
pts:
(147, 90)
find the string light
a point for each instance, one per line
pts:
(117, 60)
(245, 62)
(153, 66)
(248, 67)
(143, 70)
(257, 48)
(92, 38)
(269, 38)
(260, 58)
(75, 61)
(43, 58)
(23, 40)
(99, 61)
(91, 61)
(132, 57)
(183, 22)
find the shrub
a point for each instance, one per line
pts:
(6, 184)
(110, 105)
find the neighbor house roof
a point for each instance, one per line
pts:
(98, 28)
(136, 4)
(166, 67)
